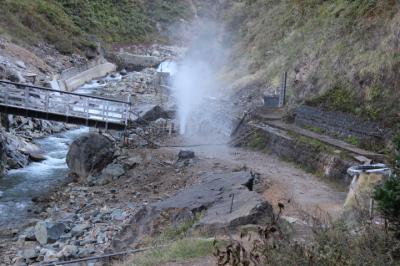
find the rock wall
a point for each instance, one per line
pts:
(344, 125)
(323, 160)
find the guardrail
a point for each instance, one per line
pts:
(40, 100)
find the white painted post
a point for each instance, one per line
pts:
(107, 107)
(47, 101)
(104, 112)
(66, 102)
(6, 95)
(26, 97)
(86, 109)
(127, 109)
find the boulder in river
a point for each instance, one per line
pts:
(89, 154)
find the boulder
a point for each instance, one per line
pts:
(123, 72)
(133, 62)
(20, 64)
(119, 215)
(111, 172)
(37, 157)
(34, 153)
(29, 253)
(225, 200)
(90, 154)
(79, 229)
(68, 252)
(152, 114)
(50, 255)
(48, 232)
(185, 155)
(14, 76)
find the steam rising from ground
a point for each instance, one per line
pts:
(197, 86)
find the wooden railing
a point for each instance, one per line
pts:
(62, 103)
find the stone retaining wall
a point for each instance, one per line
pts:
(317, 158)
(340, 124)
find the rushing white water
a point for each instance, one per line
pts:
(168, 66)
(93, 85)
(18, 187)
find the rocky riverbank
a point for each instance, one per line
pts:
(18, 151)
(123, 194)
(137, 195)
(38, 65)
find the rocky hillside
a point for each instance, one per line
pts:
(74, 25)
(342, 55)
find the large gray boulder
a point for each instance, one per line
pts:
(48, 232)
(133, 62)
(213, 195)
(152, 114)
(90, 154)
(226, 201)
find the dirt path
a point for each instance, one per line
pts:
(284, 180)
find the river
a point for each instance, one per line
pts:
(18, 187)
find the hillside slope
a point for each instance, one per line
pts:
(342, 55)
(72, 25)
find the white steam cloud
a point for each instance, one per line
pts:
(196, 83)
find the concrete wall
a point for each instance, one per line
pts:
(95, 72)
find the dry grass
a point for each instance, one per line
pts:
(330, 244)
(178, 251)
(322, 45)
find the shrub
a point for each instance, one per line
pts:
(330, 243)
(388, 198)
(396, 142)
(340, 98)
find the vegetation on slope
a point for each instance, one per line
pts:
(344, 54)
(68, 23)
(329, 243)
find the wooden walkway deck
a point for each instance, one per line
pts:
(44, 103)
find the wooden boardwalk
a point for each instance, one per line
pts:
(44, 103)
